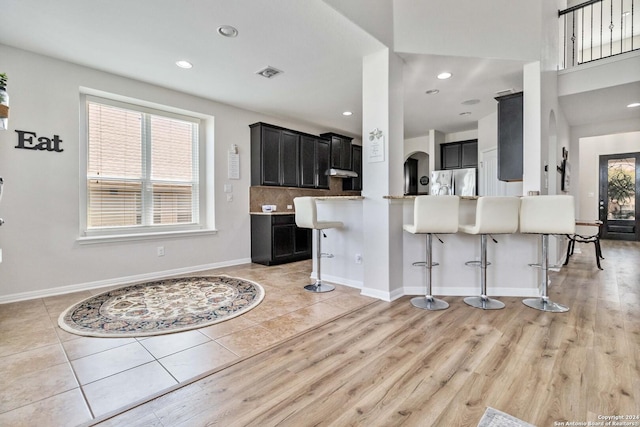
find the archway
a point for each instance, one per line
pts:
(416, 168)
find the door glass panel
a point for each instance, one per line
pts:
(621, 189)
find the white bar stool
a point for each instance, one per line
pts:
(547, 215)
(494, 215)
(307, 217)
(431, 215)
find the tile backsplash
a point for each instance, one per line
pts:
(283, 196)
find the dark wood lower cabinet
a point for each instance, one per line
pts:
(275, 239)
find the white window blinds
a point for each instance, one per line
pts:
(142, 168)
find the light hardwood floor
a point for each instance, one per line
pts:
(389, 364)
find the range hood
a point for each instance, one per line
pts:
(341, 173)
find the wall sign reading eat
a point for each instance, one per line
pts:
(27, 140)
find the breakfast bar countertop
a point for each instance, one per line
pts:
(409, 197)
(273, 213)
(339, 197)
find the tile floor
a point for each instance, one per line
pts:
(54, 378)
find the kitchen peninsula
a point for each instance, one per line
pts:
(508, 275)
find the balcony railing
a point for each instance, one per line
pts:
(598, 29)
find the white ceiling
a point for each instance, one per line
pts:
(319, 50)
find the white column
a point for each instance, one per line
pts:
(382, 108)
(533, 173)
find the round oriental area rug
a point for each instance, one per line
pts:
(162, 307)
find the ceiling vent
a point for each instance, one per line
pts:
(269, 72)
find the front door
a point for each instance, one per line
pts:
(620, 196)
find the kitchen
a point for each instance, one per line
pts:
(276, 157)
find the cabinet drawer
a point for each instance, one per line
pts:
(283, 219)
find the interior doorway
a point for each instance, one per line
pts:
(619, 199)
(416, 174)
(411, 176)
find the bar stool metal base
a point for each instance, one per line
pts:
(543, 304)
(429, 303)
(484, 303)
(319, 287)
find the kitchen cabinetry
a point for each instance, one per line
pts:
(354, 184)
(274, 156)
(340, 150)
(314, 162)
(510, 137)
(275, 239)
(459, 155)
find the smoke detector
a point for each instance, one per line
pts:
(269, 72)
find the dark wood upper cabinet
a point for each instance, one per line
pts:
(314, 162)
(510, 137)
(268, 143)
(323, 151)
(450, 156)
(307, 161)
(469, 155)
(289, 158)
(274, 156)
(354, 184)
(340, 150)
(459, 155)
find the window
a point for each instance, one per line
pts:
(142, 169)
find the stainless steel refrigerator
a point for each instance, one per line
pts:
(461, 182)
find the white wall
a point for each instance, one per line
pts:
(591, 148)
(461, 136)
(40, 205)
(430, 27)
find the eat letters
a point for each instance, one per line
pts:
(26, 141)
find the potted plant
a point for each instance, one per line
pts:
(4, 102)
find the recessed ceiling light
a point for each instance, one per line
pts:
(471, 102)
(465, 113)
(432, 91)
(184, 64)
(633, 105)
(444, 76)
(347, 113)
(227, 31)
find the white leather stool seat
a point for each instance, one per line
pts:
(307, 215)
(434, 214)
(547, 215)
(494, 215)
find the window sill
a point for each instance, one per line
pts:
(154, 235)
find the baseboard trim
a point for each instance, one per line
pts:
(339, 280)
(61, 290)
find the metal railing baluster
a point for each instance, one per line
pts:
(583, 44)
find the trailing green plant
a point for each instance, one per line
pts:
(3, 85)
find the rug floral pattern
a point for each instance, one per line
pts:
(161, 307)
